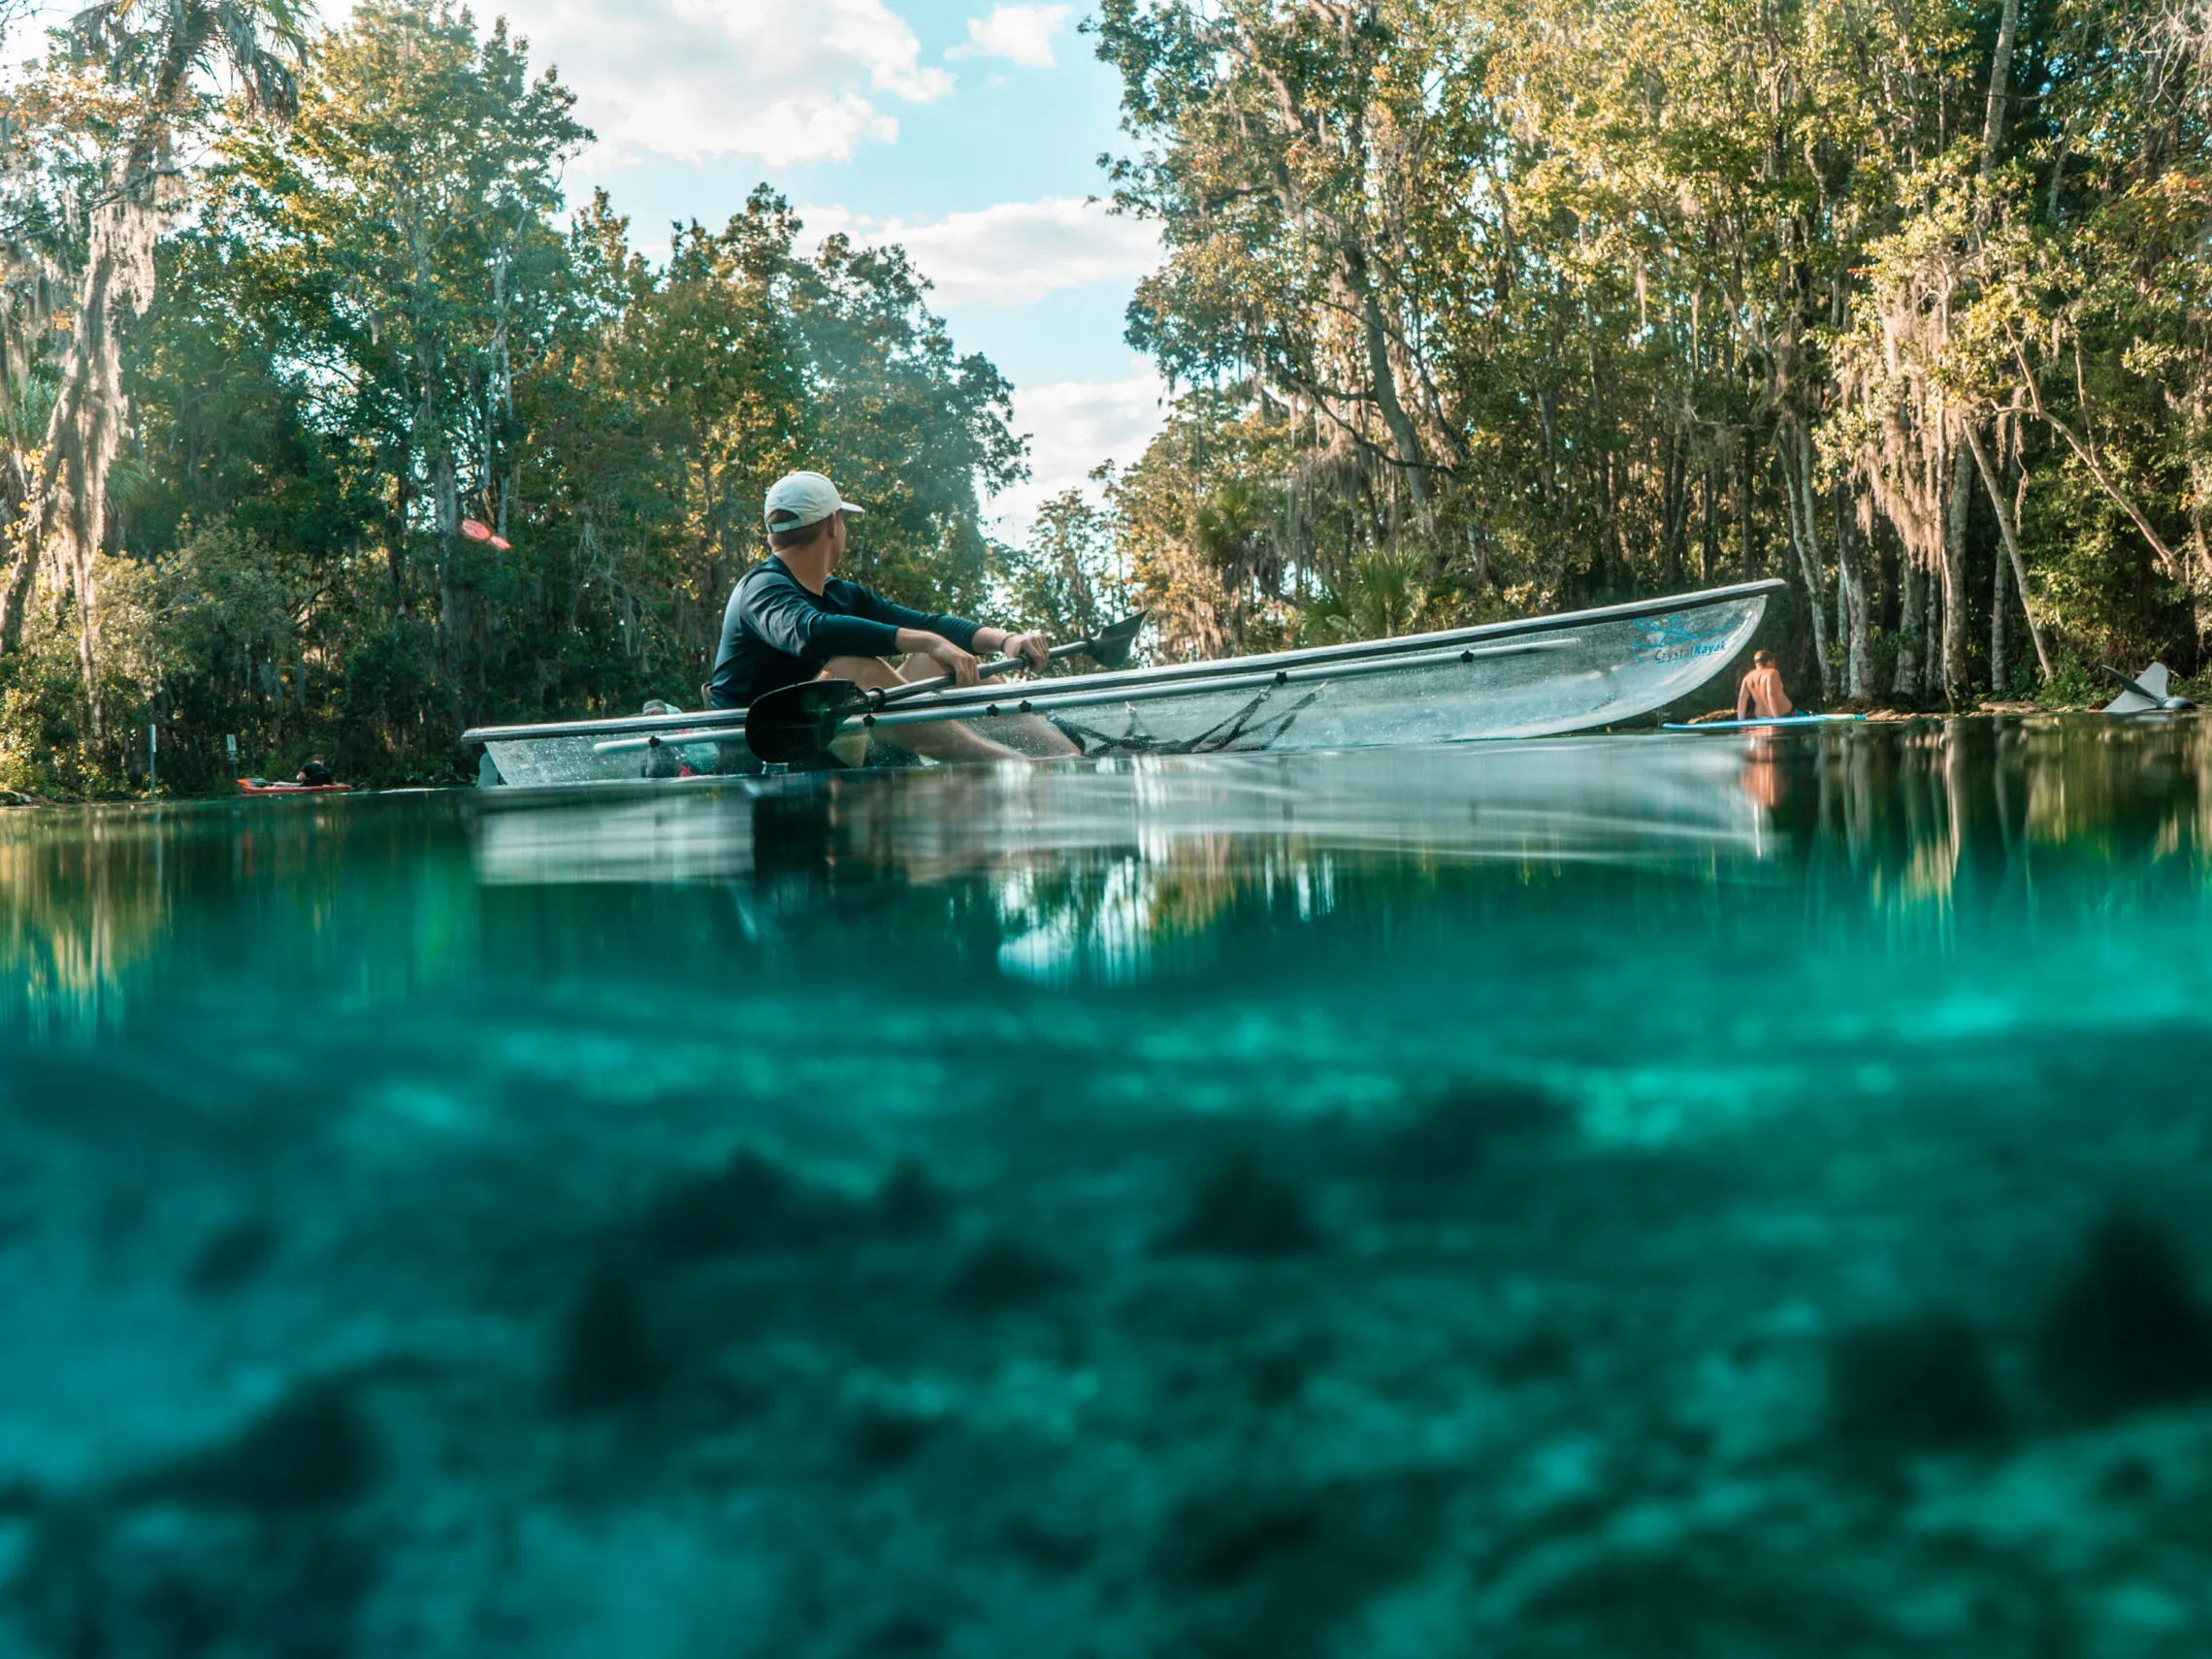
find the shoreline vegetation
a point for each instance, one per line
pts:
(1875, 713)
(1470, 310)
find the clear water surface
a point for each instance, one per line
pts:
(1643, 1195)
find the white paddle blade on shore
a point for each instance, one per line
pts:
(2153, 680)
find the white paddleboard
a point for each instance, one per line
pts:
(1748, 725)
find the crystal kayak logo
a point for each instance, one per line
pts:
(1677, 638)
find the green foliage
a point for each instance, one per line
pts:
(1383, 592)
(2075, 684)
(380, 320)
(1580, 298)
(1068, 580)
(1475, 307)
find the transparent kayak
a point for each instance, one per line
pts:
(1533, 678)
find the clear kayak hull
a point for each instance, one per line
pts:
(1530, 679)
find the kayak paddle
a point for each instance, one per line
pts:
(801, 721)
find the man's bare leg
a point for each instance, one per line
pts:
(946, 740)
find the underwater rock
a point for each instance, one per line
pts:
(910, 1203)
(1217, 1546)
(751, 1206)
(1274, 1575)
(907, 1634)
(231, 1257)
(1003, 1274)
(140, 1588)
(311, 1451)
(1657, 1604)
(1451, 1139)
(2128, 1329)
(1911, 1386)
(882, 1437)
(606, 1359)
(1242, 1210)
(1542, 1353)
(1047, 1547)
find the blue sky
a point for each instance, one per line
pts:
(967, 130)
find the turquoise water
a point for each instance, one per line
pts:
(1715, 1196)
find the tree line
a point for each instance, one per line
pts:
(1498, 306)
(328, 423)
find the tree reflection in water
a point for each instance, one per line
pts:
(1562, 1198)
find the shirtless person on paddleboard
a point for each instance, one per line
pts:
(1761, 695)
(790, 619)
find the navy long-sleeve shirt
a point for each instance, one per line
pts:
(775, 634)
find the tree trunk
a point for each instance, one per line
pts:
(1999, 86)
(1708, 533)
(1677, 495)
(85, 431)
(19, 541)
(2000, 678)
(1351, 265)
(1911, 622)
(1802, 533)
(1851, 581)
(1955, 580)
(1744, 508)
(2011, 533)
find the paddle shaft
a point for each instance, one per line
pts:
(795, 721)
(879, 695)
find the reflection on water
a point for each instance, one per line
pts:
(1614, 802)
(1628, 1196)
(1089, 867)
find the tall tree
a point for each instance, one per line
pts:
(157, 54)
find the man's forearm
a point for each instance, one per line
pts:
(988, 642)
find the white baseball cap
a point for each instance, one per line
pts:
(798, 500)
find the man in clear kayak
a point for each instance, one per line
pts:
(790, 619)
(1761, 695)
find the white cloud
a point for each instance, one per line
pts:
(1011, 255)
(778, 82)
(1073, 425)
(1019, 34)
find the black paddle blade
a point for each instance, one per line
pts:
(797, 722)
(2126, 684)
(1110, 646)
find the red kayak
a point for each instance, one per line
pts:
(247, 786)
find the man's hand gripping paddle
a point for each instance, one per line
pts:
(799, 722)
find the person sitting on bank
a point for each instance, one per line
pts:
(790, 619)
(1761, 695)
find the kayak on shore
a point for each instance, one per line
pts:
(254, 786)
